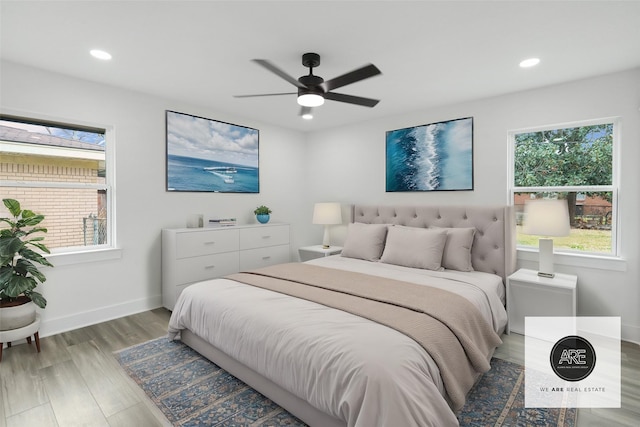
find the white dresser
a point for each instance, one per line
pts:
(191, 255)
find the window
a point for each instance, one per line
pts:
(60, 171)
(576, 163)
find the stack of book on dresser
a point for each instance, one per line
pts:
(221, 222)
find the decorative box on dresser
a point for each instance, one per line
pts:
(191, 255)
(531, 295)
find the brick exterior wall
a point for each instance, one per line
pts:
(63, 208)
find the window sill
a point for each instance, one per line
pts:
(82, 256)
(601, 262)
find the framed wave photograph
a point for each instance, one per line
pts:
(211, 156)
(433, 157)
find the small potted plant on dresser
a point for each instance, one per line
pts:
(19, 275)
(262, 214)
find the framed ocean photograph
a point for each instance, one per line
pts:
(433, 157)
(210, 155)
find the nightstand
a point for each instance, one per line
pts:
(531, 295)
(317, 251)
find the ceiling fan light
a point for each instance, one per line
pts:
(310, 100)
(307, 116)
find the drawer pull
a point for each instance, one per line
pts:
(266, 237)
(209, 243)
(266, 257)
(209, 267)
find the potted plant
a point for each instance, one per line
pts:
(19, 275)
(262, 214)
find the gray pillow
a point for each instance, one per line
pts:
(364, 241)
(457, 249)
(414, 247)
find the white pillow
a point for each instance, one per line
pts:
(414, 247)
(364, 241)
(457, 249)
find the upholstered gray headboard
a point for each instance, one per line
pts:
(494, 246)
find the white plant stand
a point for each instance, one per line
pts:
(20, 333)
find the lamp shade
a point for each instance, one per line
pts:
(546, 218)
(327, 213)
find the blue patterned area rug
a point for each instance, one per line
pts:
(497, 400)
(192, 391)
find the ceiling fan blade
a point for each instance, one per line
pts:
(304, 110)
(358, 100)
(351, 77)
(265, 94)
(269, 66)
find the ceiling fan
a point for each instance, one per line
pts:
(313, 90)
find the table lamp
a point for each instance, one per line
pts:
(327, 214)
(549, 218)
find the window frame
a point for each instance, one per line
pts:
(613, 187)
(78, 254)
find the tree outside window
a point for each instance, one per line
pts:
(574, 163)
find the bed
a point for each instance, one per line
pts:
(324, 359)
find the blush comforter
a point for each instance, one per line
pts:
(347, 366)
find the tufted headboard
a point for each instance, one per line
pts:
(494, 246)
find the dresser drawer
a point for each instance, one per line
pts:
(262, 257)
(206, 242)
(264, 236)
(207, 267)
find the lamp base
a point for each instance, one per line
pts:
(326, 238)
(545, 266)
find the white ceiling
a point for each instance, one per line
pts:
(430, 53)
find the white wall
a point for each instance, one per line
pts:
(86, 293)
(356, 173)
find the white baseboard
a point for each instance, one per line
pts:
(79, 320)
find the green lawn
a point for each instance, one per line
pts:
(582, 240)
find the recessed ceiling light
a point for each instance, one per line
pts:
(529, 62)
(100, 54)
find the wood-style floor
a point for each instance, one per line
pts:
(76, 380)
